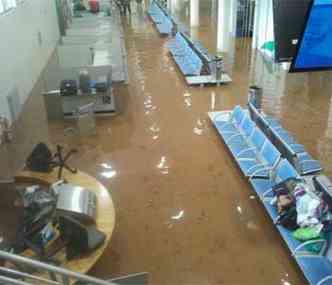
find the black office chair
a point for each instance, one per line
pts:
(60, 160)
(42, 160)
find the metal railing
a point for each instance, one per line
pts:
(57, 275)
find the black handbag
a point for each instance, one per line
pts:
(288, 219)
(286, 187)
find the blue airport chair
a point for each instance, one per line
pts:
(317, 269)
(270, 154)
(272, 122)
(255, 155)
(248, 127)
(304, 163)
(245, 125)
(285, 135)
(282, 171)
(235, 119)
(249, 165)
(234, 129)
(239, 142)
(261, 185)
(307, 164)
(257, 140)
(263, 164)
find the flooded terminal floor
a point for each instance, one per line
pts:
(185, 214)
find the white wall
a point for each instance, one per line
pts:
(22, 54)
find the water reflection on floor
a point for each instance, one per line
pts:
(184, 212)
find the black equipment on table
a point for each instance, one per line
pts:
(68, 87)
(101, 87)
(79, 239)
(35, 228)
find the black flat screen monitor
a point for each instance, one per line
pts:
(314, 51)
(288, 18)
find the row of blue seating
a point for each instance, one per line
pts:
(285, 142)
(262, 163)
(154, 12)
(203, 51)
(162, 21)
(165, 28)
(252, 150)
(185, 57)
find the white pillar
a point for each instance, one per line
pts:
(224, 25)
(233, 17)
(213, 12)
(232, 30)
(263, 24)
(256, 25)
(221, 26)
(169, 5)
(194, 13)
(174, 6)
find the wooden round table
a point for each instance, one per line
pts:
(105, 216)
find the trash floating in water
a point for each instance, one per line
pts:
(154, 128)
(198, 131)
(187, 102)
(178, 216)
(163, 165)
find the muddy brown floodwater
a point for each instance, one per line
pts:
(184, 212)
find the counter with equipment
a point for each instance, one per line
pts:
(67, 222)
(73, 94)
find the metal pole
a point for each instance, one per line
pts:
(11, 281)
(51, 268)
(26, 275)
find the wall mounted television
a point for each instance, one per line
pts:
(314, 51)
(288, 18)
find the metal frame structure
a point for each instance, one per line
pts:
(57, 275)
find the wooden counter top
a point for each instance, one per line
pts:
(105, 217)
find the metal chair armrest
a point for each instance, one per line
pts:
(298, 248)
(245, 150)
(258, 170)
(257, 165)
(322, 281)
(233, 136)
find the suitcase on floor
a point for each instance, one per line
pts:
(94, 6)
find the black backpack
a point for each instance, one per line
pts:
(288, 219)
(287, 186)
(40, 159)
